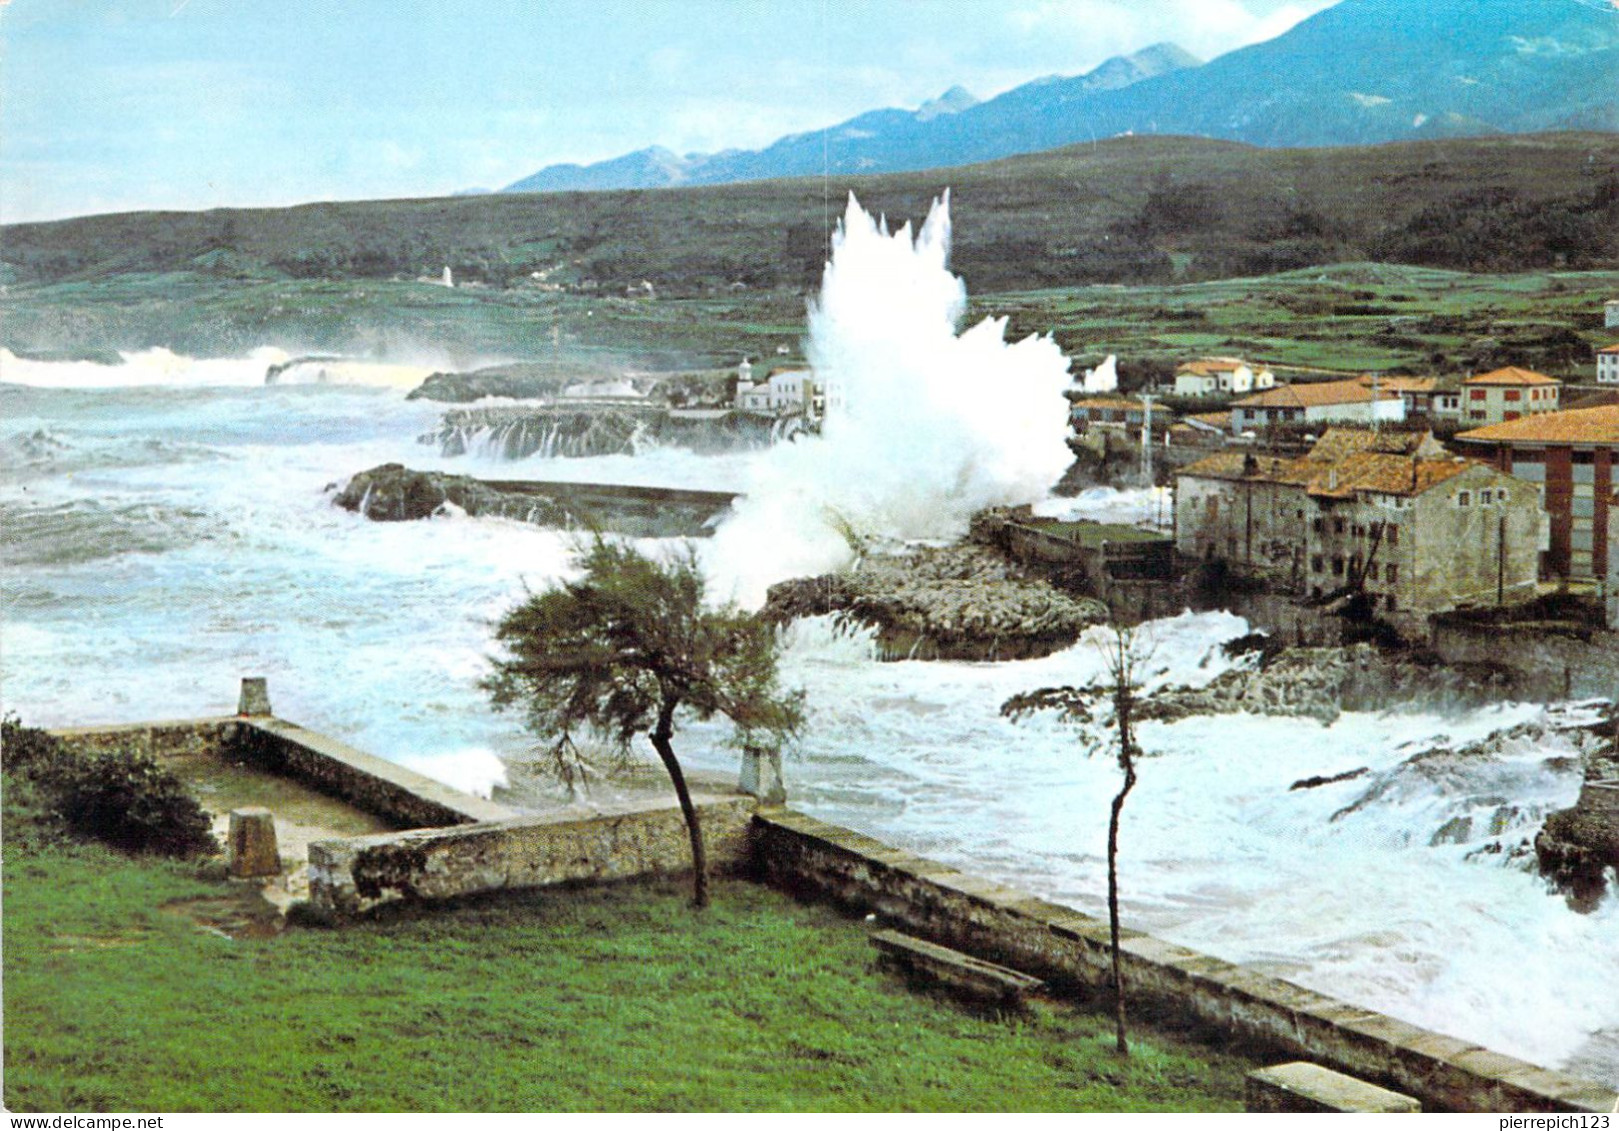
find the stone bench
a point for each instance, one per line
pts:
(972, 977)
(1301, 1086)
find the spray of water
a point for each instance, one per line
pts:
(924, 426)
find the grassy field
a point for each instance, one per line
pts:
(1350, 317)
(617, 998)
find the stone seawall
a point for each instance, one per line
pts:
(408, 799)
(809, 858)
(353, 876)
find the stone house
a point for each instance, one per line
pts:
(1608, 365)
(1507, 394)
(1571, 455)
(1321, 402)
(1417, 531)
(1220, 376)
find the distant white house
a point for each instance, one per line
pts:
(1610, 313)
(1608, 365)
(782, 390)
(1214, 376)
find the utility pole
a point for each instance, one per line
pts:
(1146, 438)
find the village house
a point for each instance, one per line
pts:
(1220, 376)
(1200, 430)
(1118, 412)
(1432, 397)
(1608, 365)
(1571, 455)
(1610, 313)
(1390, 516)
(782, 391)
(1322, 402)
(1507, 394)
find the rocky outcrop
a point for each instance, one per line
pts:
(961, 602)
(1578, 848)
(1321, 683)
(518, 432)
(394, 493)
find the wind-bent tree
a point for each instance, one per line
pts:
(622, 649)
(1122, 656)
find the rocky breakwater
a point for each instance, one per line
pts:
(961, 602)
(1578, 847)
(1321, 683)
(395, 493)
(580, 429)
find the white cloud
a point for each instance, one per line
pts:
(1101, 28)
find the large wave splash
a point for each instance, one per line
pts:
(924, 425)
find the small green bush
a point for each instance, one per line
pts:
(120, 797)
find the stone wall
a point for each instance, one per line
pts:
(1549, 665)
(811, 859)
(157, 740)
(350, 877)
(408, 799)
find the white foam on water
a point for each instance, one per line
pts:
(160, 367)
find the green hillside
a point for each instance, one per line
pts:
(1135, 210)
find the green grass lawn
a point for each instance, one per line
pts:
(616, 997)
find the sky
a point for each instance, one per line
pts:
(119, 105)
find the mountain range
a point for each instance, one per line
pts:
(1360, 72)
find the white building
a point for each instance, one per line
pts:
(1323, 402)
(783, 390)
(1214, 376)
(1608, 365)
(1610, 313)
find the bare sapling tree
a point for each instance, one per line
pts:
(625, 648)
(1123, 653)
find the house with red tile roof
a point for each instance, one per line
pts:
(1318, 402)
(1414, 530)
(1216, 376)
(1508, 394)
(1572, 455)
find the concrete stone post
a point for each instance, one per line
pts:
(255, 698)
(253, 850)
(761, 775)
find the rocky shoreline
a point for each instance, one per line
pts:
(960, 602)
(516, 432)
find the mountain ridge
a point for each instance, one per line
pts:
(1361, 72)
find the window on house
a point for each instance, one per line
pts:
(1476, 395)
(1388, 602)
(1338, 566)
(1392, 533)
(1316, 563)
(1510, 415)
(1337, 526)
(1391, 573)
(1371, 571)
(1464, 498)
(1514, 395)
(1319, 525)
(1475, 414)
